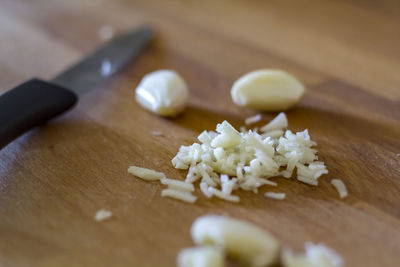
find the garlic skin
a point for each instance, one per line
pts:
(267, 90)
(163, 92)
(248, 243)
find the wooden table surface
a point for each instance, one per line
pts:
(54, 178)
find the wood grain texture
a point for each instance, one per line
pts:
(54, 178)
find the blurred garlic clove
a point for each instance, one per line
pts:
(206, 256)
(248, 243)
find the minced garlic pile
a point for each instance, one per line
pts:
(226, 160)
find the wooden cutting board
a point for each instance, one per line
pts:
(54, 178)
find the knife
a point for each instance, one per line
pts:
(35, 101)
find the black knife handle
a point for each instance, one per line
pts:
(31, 104)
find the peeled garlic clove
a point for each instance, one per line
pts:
(268, 90)
(201, 257)
(248, 243)
(163, 92)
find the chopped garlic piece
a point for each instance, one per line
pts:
(275, 195)
(145, 174)
(273, 134)
(177, 194)
(205, 137)
(253, 119)
(278, 123)
(177, 185)
(307, 180)
(248, 243)
(227, 185)
(204, 256)
(223, 195)
(102, 215)
(204, 188)
(340, 187)
(228, 136)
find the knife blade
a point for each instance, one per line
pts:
(35, 101)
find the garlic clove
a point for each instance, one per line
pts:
(163, 92)
(206, 256)
(249, 244)
(267, 90)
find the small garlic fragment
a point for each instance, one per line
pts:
(253, 119)
(249, 244)
(145, 174)
(102, 215)
(201, 257)
(163, 92)
(340, 187)
(268, 90)
(280, 122)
